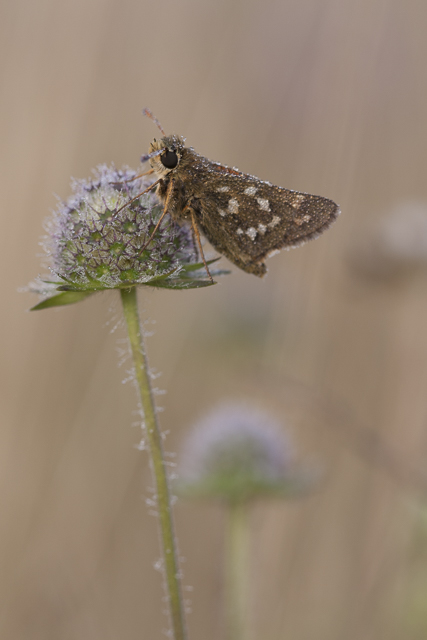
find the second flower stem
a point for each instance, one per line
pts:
(171, 567)
(237, 556)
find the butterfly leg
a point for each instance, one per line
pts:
(165, 210)
(138, 196)
(195, 231)
(140, 175)
(195, 243)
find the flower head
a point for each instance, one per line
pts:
(236, 453)
(101, 238)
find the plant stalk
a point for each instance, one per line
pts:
(237, 578)
(171, 567)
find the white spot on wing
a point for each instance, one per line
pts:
(233, 205)
(223, 189)
(222, 212)
(300, 221)
(239, 231)
(251, 191)
(297, 200)
(251, 232)
(262, 228)
(264, 204)
(274, 222)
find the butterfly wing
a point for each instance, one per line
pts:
(247, 219)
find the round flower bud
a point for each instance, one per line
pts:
(99, 235)
(237, 453)
(103, 237)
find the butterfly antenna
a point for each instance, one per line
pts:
(152, 117)
(153, 154)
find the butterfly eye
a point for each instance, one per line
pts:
(169, 159)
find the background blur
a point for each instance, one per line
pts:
(323, 96)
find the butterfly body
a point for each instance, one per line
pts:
(243, 218)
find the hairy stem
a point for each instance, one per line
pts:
(173, 586)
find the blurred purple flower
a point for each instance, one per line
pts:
(236, 453)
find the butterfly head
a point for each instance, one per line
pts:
(169, 153)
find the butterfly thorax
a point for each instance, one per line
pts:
(187, 185)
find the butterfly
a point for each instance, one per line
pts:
(244, 218)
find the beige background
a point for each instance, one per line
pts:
(324, 96)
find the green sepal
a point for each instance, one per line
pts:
(71, 292)
(245, 487)
(195, 266)
(217, 272)
(179, 283)
(96, 285)
(73, 288)
(163, 276)
(61, 299)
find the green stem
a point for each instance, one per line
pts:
(130, 309)
(237, 555)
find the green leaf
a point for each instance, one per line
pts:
(73, 289)
(217, 272)
(199, 265)
(56, 282)
(60, 299)
(179, 283)
(161, 277)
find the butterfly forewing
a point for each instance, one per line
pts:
(247, 219)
